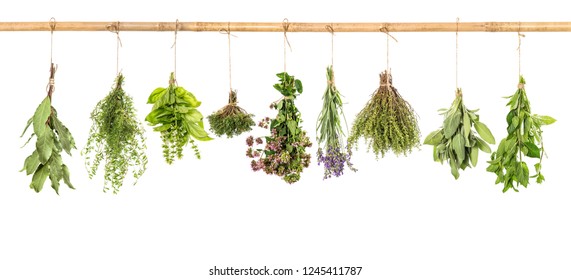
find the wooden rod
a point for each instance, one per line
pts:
(296, 26)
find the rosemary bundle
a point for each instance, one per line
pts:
(330, 133)
(51, 138)
(387, 122)
(456, 142)
(117, 138)
(231, 120)
(524, 140)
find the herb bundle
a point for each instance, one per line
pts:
(330, 133)
(456, 142)
(117, 138)
(387, 122)
(524, 140)
(231, 120)
(174, 111)
(51, 138)
(284, 152)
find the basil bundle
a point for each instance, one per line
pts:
(175, 116)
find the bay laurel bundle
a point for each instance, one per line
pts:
(175, 116)
(231, 120)
(51, 138)
(330, 133)
(387, 122)
(117, 138)
(524, 140)
(284, 153)
(456, 142)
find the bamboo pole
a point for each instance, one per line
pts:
(295, 26)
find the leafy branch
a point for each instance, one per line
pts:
(387, 122)
(231, 120)
(117, 138)
(330, 133)
(175, 116)
(284, 152)
(524, 140)
(51, 138)
(455, 141)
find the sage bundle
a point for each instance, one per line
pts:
(333, 152)
(116, 138)
(524, 140)
(387, 122)
(456, 142)
(284, 153)
(52, 136)
(176, 117)
(231, 120)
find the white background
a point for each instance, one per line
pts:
(398, 217)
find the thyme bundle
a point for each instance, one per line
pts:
(51, 138)
(175, 116)
(231, 120)
(387, 122)
(284, 153)
(117, 138)
(455, 141)
(524, 139)
(330, 133)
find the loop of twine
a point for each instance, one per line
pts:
(330, 29)
(457, 22)
(519, 36)
(227, 32)
(385, 29)
(52, 29)
(176, 27)
(114, 28)
(286, 41)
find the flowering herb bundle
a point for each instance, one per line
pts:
(175, 116)
(51, 138)
(456, 142)
(231, 120)
(524, 140)
(330, 133)
(117, 138)
(284, 153)
(387, 122)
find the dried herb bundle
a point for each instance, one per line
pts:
(117, 138)
(524, 140)
(330, 133)
(284, 152)
(174, 111)
(387, 122)
(456, 142)
(231, 120)
(51, 138)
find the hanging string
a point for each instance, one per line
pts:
(286, 41)
(52, 28)
(457, 22)
(50, 88)
(114, 28)
(330, 29)
(176, 27)
(229, 34)
(385, 30)
(519, 36)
